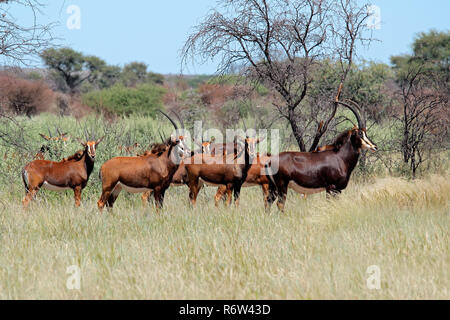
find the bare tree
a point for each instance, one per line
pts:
(279, 43)
(424, 97)
(21, 44)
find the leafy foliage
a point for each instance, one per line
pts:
(136, 73)
(74, 68)
(144, 99)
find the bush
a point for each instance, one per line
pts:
(144, 99)
(24, 97)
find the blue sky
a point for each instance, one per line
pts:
(154, 31)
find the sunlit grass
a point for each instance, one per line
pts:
(318, 249)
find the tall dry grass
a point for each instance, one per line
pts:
(318, 249)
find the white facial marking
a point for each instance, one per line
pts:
(366, 144)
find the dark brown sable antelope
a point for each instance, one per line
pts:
(70, 173)
(313, 172)
(220, 170)
(150, 172)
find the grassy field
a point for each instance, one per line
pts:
(318, 249)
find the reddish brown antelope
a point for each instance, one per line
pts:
(255, 177)
(178, 178)
(150, 172)
(70, 173)
(220, 170)
(313, 172)
(140, 174)
(158, 149)
(47, 148)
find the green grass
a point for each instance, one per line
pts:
(318, 249)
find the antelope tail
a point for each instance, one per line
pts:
(25, 179)
(272, 184)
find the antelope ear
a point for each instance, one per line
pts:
(99, 140)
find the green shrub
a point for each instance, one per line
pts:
(143, 100)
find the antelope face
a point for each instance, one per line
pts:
(252, 143)
(64, 138)
(186, 152)
(206, 147)
(180, 148)
(365, 142)
(90, 147)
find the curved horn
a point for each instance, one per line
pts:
(170, 119)
(179, 118)
(356, 110)
(245, 126)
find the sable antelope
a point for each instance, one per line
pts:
(220, 170)
(70, 173)
(129, 149)
(180, 176)
(205, 146)
(227, 148)
(309, 172)
(58, 137)
(150, 172)
(255, 177)
(140, 174)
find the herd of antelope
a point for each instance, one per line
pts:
(172, 163)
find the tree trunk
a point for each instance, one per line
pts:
(296, 131)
